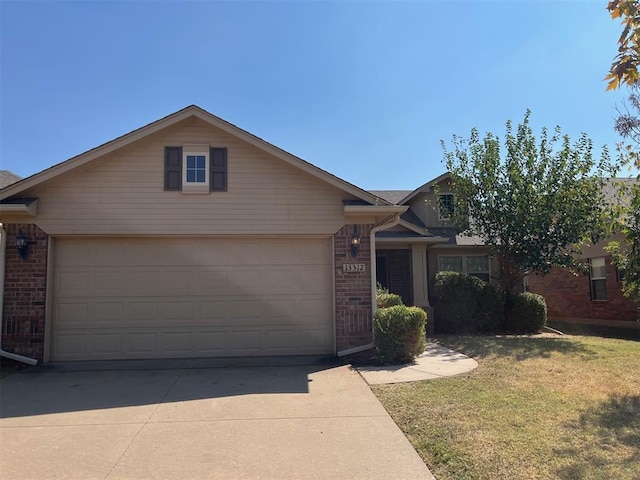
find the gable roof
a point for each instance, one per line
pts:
(7, 178)
(425, 187)
(392, 196)
(172, 119)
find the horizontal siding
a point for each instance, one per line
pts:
(123, 193)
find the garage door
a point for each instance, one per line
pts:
(117, 298)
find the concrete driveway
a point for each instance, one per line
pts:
(228, 423)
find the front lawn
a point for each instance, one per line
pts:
(539, 407)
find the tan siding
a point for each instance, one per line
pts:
(122, 193)
(425, 205)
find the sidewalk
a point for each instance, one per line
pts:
(435, 362)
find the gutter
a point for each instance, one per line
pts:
(395, 219)
(3, 249)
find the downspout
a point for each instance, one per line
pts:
(372, 245)
(3, 249)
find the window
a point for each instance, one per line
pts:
(446, 206)
(195, 169)
(598, 276)
(476, 265)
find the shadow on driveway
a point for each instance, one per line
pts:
(51, 389)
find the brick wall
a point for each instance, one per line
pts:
(353, 290)
(25, 284)
(568, 296)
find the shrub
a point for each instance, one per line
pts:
(526, 313)
(489, 314)
(399, 333)
(385, 300)
(456, 297)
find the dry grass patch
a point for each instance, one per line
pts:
(537, 407)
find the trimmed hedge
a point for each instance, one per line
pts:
(399, 333)
(526, 313)
(466, 304)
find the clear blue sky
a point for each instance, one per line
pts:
(365, 90)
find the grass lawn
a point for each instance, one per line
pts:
(539, 407)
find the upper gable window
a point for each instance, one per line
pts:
(195, 169)
(446, 206)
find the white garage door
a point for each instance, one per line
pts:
(117, 298)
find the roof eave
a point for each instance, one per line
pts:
(374, 209)
(30, 208)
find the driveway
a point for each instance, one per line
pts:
(192, 423)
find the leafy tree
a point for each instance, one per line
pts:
(535, 202)
(626, 256)
(624, 68)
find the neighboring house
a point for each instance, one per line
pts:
(594, 297)
(7, 178)
(188, 237)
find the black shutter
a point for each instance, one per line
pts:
(172, 168)
(218, 180)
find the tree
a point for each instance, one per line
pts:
(534, 203)
(626, 256)
(624, 68)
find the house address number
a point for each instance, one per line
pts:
(354, 267)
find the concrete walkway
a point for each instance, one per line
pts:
(277, 422)
(435, 362)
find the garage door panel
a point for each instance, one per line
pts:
(153, 298)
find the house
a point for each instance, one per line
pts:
(188, 237)
(7, 178)
(191, 237)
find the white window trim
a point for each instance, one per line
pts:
(464, 262)
(196, 187)
(440, 217)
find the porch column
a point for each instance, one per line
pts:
(419, 274)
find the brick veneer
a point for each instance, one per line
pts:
(25, 283)
(568, 296)
(353, 290)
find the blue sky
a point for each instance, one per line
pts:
(365, 90)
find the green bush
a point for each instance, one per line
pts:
(399, 333)
(456, 302)
(386, 300)
(466, 304)
(489, 314)
(526, 313)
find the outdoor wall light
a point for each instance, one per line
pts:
(355, 242)
(22, 245)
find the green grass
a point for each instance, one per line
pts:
(539, 407)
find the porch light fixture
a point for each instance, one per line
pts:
(355, 242)
(22, 245)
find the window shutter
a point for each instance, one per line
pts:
(172, 168)
(218, 180)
